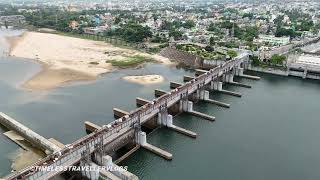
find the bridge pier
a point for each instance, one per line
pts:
(92, 172)
(205, 97)
(105, 169)
(91, 127)
(114, 169)
(142, 140)
(165, 119)
(118, 113)
(229, 79)
(140, 102)
(239, 84)
(159, 92)
(217, 86)
(174, 85)
(187, 106)
(187, 78)
(239, 72)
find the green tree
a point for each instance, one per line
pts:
(175, 34)
(285, 32)
(277, 59)
(117, 20)
(189, 24)
(133, 32)
(232, 53)
(212, 41)
(255, 60)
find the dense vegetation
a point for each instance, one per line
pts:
(129, 61)
(207, 53)
(131, 32)
(275, 61)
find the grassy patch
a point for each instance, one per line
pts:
(130, 61)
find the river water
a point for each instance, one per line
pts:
(269, 133)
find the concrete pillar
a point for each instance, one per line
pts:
(162, 118)
(159, 120)
(97, 157)
(142, 137)
(219, 86)
(230, 78)
(184, 105)
(181, 105)
(239, 71)
(169, 121)
(305, 72)
(107, 161)
(197, 95)
(225, 77)
(190, 106)
(165, 119)
(204, 95)
(94, 175)
(212, 85)
(116, 170)
(85, 173)
(215, 85)
(201, 94)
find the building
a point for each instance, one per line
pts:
(12, 20)
(95, 30)
(270, 39)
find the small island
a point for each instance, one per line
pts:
(144, 79)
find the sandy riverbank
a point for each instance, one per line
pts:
(145, 79)
(67, 59)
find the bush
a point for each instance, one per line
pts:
(130, 61)
(277, 59)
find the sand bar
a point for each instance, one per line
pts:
(144, 80)
(67, 59)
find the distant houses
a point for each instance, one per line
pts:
(13, 20)
(95, 30)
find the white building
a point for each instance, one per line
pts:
(273, 40)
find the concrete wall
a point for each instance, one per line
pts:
(34, 138)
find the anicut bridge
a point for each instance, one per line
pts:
(94, 148)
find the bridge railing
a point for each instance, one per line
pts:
(78, 147)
